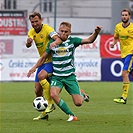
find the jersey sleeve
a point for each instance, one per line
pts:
(116, 32)
(77, 41)
(48, 50)
(51, 31)
(30, 34)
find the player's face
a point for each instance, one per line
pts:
(125, 17)
(64, 32)
(36, 23)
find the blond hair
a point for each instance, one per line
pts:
(66, 24)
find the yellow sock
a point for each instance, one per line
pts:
(46, 90)
(125, 90)
(43, 113)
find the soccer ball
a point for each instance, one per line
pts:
(40, 104)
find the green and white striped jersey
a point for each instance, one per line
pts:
(63, 56)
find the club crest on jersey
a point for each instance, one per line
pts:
(130, 31)
(66, 44)
(41, 36)
(62, 51)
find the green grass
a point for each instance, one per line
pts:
(100, 115)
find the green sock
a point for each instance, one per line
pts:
(82, 95)
(63, 106)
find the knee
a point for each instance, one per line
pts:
(79, 103)
(53, 95)
(41, 76)
(125, 74)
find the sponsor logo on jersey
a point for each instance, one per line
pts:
(62, 51)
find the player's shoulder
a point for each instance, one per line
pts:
(119, 24)
(74, 40)
(31, 30)
(46, 26)
(131, 23)
(72, 37)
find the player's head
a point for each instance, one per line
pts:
(64, 30)
(36, 21)
(125, 15)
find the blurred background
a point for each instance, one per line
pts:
(95, 62)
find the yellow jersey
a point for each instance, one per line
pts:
(125, 36)
(42, 38)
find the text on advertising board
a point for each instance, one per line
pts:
(13, 22)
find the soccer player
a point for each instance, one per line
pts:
(63, 68)
(41, 34)
(124, 32)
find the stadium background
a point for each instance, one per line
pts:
(94, 62)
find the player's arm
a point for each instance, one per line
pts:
(53, 35)
(56, 42)
(93, 36)
(29, 42)
(39, 63)
(116, 37)
(115, 40)
(29, 39)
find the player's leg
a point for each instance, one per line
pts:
(78, 95)
(38, 89)
(39, 92)
(56, 87)
(72, 87)
(131, 70)
(85, 95)
(126, 82)
(45, 85)
(42, 75)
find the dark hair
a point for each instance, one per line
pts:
(32, 15)
(66, 24)
(126, 10)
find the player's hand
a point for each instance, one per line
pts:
(53, 45)
(98, 29)
(29, 42)
(32, 70)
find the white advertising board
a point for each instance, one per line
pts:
(88, 50)
(88, 69)
(15, 69)
(14, 47)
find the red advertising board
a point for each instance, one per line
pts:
(13, 22)
(106, 51)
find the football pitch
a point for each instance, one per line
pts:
(100, 115)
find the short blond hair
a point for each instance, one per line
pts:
(66, 24)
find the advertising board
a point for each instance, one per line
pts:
(106, 51)
(13, 22)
